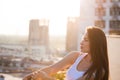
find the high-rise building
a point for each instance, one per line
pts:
(107, 14)
(38, 32)
(38, 36)
(102, 13)
(72, 34)
(87, 16)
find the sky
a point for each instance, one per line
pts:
(16, 14)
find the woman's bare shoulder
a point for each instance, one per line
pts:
(73, 55)
(76, 53)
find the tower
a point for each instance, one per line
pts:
(72, 34)
(38, 32)
(102, 13)
(38, 35)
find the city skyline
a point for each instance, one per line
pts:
(16, 14)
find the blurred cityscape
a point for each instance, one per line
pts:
(20, 55)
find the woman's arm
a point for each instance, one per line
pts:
(38, 75)
(67, 61)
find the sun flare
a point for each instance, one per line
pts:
(16, 14)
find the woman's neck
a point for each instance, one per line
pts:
(88, 58)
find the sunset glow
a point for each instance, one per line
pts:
(15, 15)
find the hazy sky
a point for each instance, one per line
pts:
(15, 15)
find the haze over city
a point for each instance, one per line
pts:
(16, 14)
(25, 45)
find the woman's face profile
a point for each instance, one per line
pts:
(84, 44)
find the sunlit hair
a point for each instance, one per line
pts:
(99, 69)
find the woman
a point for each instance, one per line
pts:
(91, 63)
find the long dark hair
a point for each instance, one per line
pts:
(99, 68)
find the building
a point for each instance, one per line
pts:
(38, 34)
(108, 15)
(72, 34)
(102, 13)
(87, 16)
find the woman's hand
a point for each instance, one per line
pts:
(28, 77)
(38, 75)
